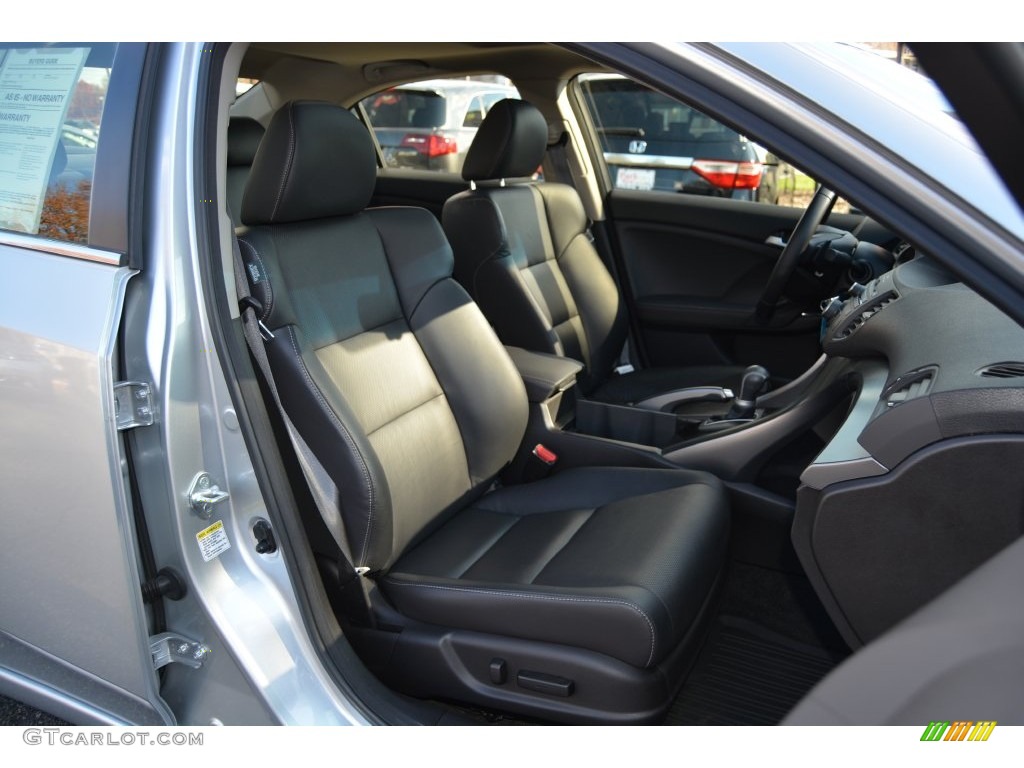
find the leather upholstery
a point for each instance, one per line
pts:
(615, 560)
(422, 406)
(510, 145)
(542, 287)
(400, 387)
(297, 175)
(524, 253)
(543, 374)
(244, 136)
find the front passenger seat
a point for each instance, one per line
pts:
(576, 598)
(523, 252)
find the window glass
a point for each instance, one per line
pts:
(475, 113)
(429, 125)
(51, 111)
(244, 85)
(653, 142)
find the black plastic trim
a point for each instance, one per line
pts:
(113, 207)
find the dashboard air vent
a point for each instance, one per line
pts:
(909, 386)
(1002, 371)
(865, 311)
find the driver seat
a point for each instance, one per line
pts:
(524, 253)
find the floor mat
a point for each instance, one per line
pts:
(747, 675)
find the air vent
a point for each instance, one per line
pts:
(909, 386)
(864, 312)
(1002, 371)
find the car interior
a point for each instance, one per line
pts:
(595, 454)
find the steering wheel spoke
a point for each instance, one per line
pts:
(793, 251)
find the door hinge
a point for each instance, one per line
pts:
(170, 647)
(133, 404)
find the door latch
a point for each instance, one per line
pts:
(204, 494)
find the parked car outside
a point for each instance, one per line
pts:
(652, 142)
(430, 124)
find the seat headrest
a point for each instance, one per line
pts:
(244, 136)
(316, 161)
(510, 143)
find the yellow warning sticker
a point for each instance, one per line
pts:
(213, 540)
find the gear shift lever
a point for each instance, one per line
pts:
(754, 380)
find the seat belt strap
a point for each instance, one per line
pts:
(353, 580)
(559, 160)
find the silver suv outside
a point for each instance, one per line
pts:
(429, 125)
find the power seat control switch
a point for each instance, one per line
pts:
(499, 671)
(541, 682)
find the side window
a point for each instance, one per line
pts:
(475, 113)
(51, 114)
(429, 125)
(653, 142)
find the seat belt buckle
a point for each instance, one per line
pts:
(539, 464)
(545, 454)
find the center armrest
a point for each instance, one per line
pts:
(543, 374)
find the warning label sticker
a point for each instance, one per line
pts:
(213, 540)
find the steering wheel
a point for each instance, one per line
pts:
(813, 216)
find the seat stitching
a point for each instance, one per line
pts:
(566, 543)
(425, 293)
(516, 520)
(550, 598)
(348, 439)
(288, 161)
(362, 332)
(270, 291)
(393, 419)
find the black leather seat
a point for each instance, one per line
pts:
(523, 251)
(576, 597)
(244, 137)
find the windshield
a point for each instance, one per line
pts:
(901, 110)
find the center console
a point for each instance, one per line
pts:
(711, 428)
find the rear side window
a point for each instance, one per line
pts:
(429, 125)
(52, 101)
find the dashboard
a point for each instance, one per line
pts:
(920, 484)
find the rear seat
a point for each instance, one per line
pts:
(244, 136)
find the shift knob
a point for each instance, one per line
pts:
(754, 380)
